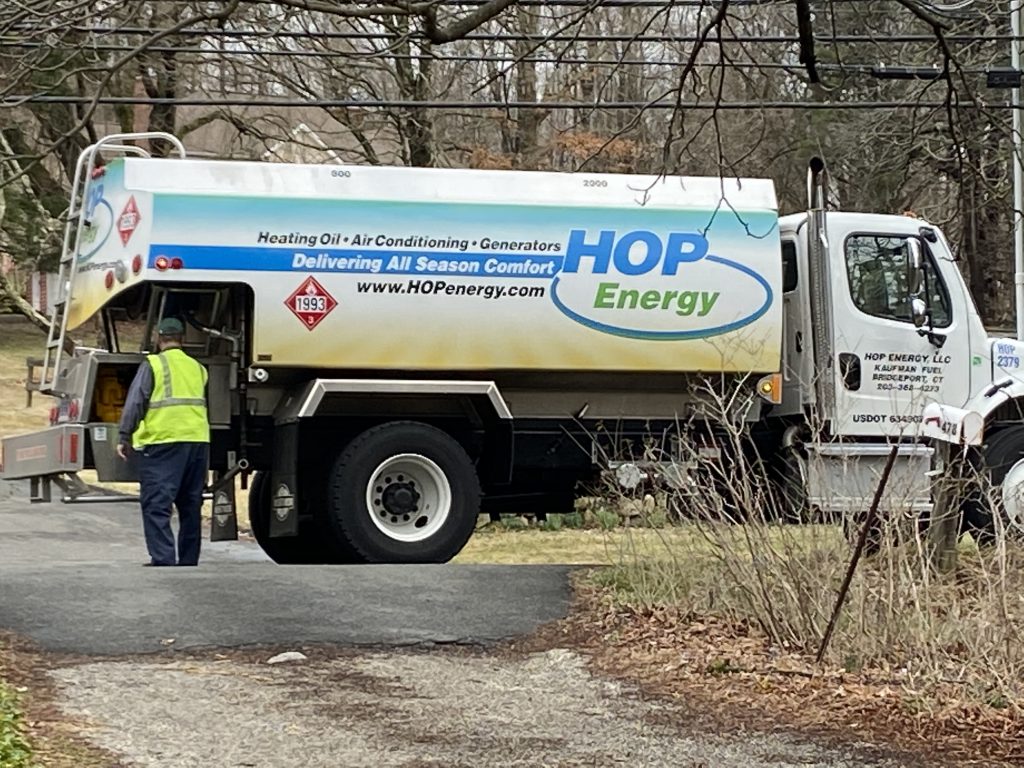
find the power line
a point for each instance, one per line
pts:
(216, 53)
(522, 38)
(597, 4)
(13, 101)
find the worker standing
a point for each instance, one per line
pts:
(165, 419)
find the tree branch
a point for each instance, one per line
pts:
(463, 26)
(805, 31)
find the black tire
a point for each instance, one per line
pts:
(789, 501)
(350, 483)
(998, 454)
(310, 547)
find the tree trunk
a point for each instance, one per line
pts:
(414, 85)
(9, 294)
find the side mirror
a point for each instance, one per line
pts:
(919, 311)
(916, 258)
(916, 285)
(916, 268)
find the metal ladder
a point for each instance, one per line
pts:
(68, 269)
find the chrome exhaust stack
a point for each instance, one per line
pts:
(821, 281)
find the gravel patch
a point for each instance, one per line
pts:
(404, 710)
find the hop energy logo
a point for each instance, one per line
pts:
(642, 285)
(128, 220)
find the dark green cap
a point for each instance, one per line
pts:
(171, 326)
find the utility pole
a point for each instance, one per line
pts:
(1016, 14)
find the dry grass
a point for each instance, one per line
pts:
(17, 342)
(940, 635)
(569, 546)
(935, 632)
(630, 551)
(732, 675)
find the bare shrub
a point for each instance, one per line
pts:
(735, 553)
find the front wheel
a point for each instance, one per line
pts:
(1002, 496)
(404, 492)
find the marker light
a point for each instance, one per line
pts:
(109, 279)
(73, 410)
(770, 388)
(162, 263)
(137, 264)
(177, 263)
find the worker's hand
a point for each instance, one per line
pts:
(122, 451)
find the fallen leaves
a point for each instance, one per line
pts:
(729, 670)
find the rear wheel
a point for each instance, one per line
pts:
(404, 492)
(309, 547)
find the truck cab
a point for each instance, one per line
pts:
(887, 360)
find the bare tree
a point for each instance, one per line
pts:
(691, 86)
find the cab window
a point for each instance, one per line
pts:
(789, 270)
(878, 268)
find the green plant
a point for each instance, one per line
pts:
(572, 520)
(721, 667)
(14, 748)
(514, 523)
(607, 519)
(999, 700)
(552, 523)
(656, 518)
(852, 664)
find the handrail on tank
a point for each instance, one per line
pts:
(116, 141)
(84, 168)
(120, 138)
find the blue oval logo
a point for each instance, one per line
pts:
(101, 223)
(649, 311)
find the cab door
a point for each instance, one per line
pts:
(900, 326)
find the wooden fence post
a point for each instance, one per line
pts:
(944, 525)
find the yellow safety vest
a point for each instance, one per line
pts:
(177, 407)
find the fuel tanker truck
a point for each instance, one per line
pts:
(393, 352)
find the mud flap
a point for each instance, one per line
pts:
(225, 512)
(225, 515)
(284, 507)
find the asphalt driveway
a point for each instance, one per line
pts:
(71, 580)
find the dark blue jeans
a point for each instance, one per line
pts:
(173, 473)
